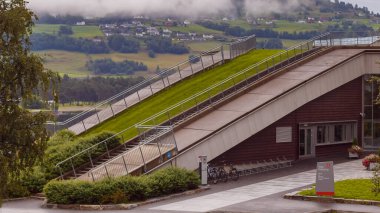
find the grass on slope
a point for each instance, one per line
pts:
(79, 31)
(74, 63)
(195, 28)
(350, 189)
(179, 92)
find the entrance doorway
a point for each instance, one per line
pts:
(307, 144)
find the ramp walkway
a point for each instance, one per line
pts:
(120, 102)
(241, 106)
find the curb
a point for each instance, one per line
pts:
(296, 196)
(24, 198)
(121, 206)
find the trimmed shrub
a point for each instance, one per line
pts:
(62, 151)
(15, 190)
(61, 137)
(171, 180)
(122, 189)
(34, 181)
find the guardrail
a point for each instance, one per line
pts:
(161, 147)
(212, 94)
(117, 103)
(328, 40)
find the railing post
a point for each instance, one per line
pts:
(89, 156)
(191, 67)
(125, 164)
(169, 119)
(113, 113)
(159, 150)
(108, 153)
(92, 175)
(150, 86)
(142, 157)
(230, 51)
(179, 72)
(222, 51)
(105, 166)
(163, 81)
(196, 104)
(97, 115)
(203, 67)
(72, 166)
(84, 126)
(138, 95)
(60, 171)
(212, 58)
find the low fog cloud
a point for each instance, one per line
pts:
(184, 8)
(264, 7)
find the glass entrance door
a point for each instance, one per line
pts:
(306, 142)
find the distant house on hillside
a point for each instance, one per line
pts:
(81, 23)
(186, 22)
(208, 36)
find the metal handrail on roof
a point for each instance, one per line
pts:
(138, 86)
(244, 71)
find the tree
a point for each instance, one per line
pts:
(23, 135)
(65, 30)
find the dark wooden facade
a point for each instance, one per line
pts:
(341, 104)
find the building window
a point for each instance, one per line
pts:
(339, 133)
(335, 133)
(322, 134)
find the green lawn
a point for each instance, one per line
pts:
(350, 189)
(195, 28)
(79, 31)
(179, 92)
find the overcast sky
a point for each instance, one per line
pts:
(373, 5)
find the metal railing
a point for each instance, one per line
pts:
(117, 103)
(211, 95)
(141, 158)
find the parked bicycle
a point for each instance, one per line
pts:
(232, 172)
(222, 173)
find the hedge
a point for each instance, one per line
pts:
(67, 148)
(122, 189)
(61, 145)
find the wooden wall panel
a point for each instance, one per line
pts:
(343, 103)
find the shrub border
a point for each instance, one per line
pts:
(296, 196)
(121, 206)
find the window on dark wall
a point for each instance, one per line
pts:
(339, 133)
(321, 134)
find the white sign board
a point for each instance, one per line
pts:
(325, 179)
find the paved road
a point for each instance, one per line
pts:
(241, 195)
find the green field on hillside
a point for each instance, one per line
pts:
(240, 23)
(74, 63)
(179, 92)
(200, 46)
(79, 31)
(195, 28)
(286, 26)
